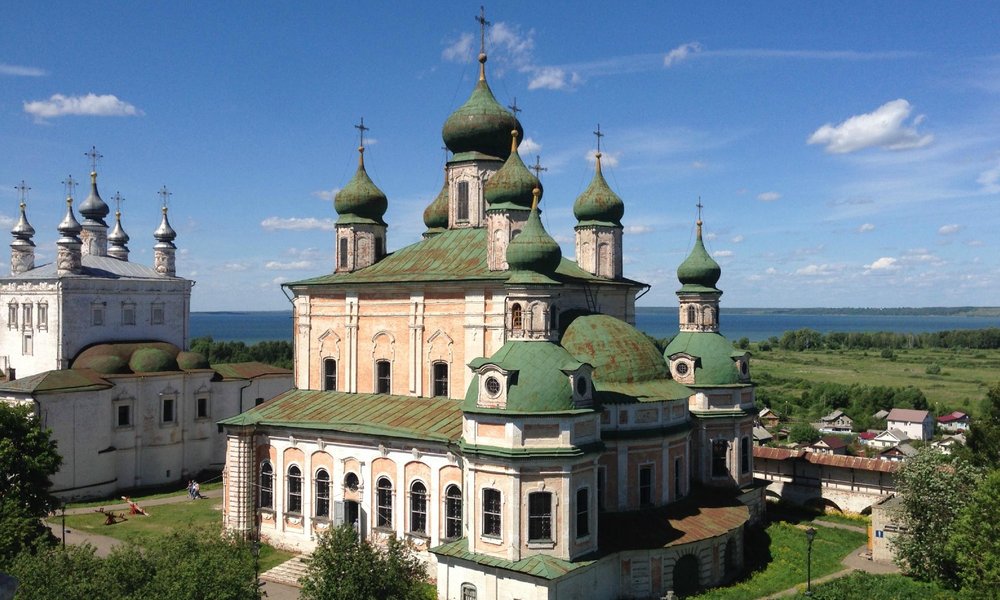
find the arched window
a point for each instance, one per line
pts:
(453, 512)
(266, 485)
(383, 377)
(440, 370)
(691, 318)
(709, 315)
(468, 591)
(516, 317)
(540, 517)
(343, 253)
(294, 490)
(462, 203)
(329, 374)
(322, 493)
(383, 503)
(351, 482)
(418, 508)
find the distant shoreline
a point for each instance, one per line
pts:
(928, 311)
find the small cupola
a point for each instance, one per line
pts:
(164, 251)
(22, 248)
(598, 211)
(68, 254)
(94, 211)
(598, 204)
(481, 126)
(361, 229)
(436, 213)
(118, 239)
(533, 255)
(699, 272)
(512, 186)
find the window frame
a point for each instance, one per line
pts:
(42, 320)
(418, 508)
(383, 382)
(168, 401)
(293, 490)
(26, 315)
(492, 514)
(202, 408)
(27, 344)
(329, 374)
(98, 318)
(462, 209)
(12, 315)
(646, 489)
(453, 507)
(157, 314)
(720, 460)
(383, 503)
(468, 591)
(516, 317)
(266, 486)
(583, 513)
(342, 252)
(440, 384)
(745, 454)
(128, 313)
(118, 414)
(541, 517)
(321, 491)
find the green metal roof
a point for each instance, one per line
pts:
(533, 251)
(655, 390)
(481, 124)
(453, 255)
(361, 201)
(248, 370)
(715, 365)
(598, 205)
(511, 185)
(699, 272)
(428, 419)
(51, 382)
(436, 213)
(539, 383)
(619, 352)
(539, 565)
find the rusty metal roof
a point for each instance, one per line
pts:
(51, 382)
(832, 460)
(248, 370)
(434, 419)
(452, 255)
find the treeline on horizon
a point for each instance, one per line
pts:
(809, 339)
(276, 353)
(902, 311)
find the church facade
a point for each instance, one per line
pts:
(492, 402)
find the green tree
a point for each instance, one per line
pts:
(975, 541)
(803, 433)
(983, 442)
(28, 458)
(346, 568)
(934, 488)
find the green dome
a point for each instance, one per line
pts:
(152, 360)
(533, 249)
(619, 352)
(360, 201)
(511, 186)
(436, 213)
(715, 364)
(699, 272)
(108, 364)
(188, 361)
(539, 383)
(481, 124)
(598, 205)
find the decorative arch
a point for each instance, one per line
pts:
(329, 344)
(687, 575)
(440, 346)
(383, 346)
(708, 316)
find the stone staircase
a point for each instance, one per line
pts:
(288, 572)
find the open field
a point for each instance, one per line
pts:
(201, 515)
(961, 384)
(780, 557)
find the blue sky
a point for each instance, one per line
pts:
(847, 154)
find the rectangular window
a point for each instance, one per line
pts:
(383, 377)
(440, 379)
(201, 410)
(646, 485)
(719, 450)
(745, 455)
(26, 313)
(156, 316)
(677, 478)
(462, 205)
(329, 374)
(168, 410)
(27, 345)
(342, 253)
(128, 314)
(12, 316)
(491, 513)
(123, 417)
(43, 316)
(540, 517)
(97, 314)
(582, 512)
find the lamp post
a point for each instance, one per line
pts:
(810, 535)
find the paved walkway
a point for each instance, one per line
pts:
(103, 544)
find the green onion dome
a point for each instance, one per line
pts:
(360, 201)
(480, 125)
(699, 272)
(598, 205)
(512, 185)
(436, 213)
(534, 249)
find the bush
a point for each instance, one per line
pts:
(888, 353)
(933, 369)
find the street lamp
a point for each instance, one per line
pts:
(810, 535)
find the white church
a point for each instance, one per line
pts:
(97, 345)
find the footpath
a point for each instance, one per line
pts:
(103, 544)
(857, 560)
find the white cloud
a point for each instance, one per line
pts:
(990, 180)
(326, 194)
(681, 53)
(886, 263)
(303, 253)
(19, 71)
(528, 146)
(885, 127)
(771, 271)
(736, 239)
(815, 270)
(711, 235)
(607, 159)
(950, 229)
(90, 105)
(866, 227)
(236, 266)
(459, 50)
(638, 229)
(723, 253)
(698, 164)
(768, 196)
(975, 243)
(295, 265)
(6, 221)
(297, 223)
(549, 78)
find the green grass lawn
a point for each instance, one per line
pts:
(961, 385)
(878, 587)
(779, 556)
(161, 492)
(200, 515)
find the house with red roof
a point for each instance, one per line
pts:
(954, 422)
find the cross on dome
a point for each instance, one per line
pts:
(164, 195)
(70, 185)
(361, 132)
(537, 167)
(22, 192)
(599, 135)
(514, 108)
(94, 156)
(118, 198)
(483, 24)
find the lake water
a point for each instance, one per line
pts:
(252, 327)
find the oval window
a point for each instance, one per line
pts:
(581, 386)
(682, 368)
(493, 387)
(744, 367)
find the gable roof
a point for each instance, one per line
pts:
(832, 442)
(907, 415)
(832, 460)
(953, 416)
(51, 382)
(835, 415)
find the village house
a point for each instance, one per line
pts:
(915, 424)
(954, 422)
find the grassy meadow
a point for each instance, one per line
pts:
(961, 384)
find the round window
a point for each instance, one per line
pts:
(744, 367)
(682, 368)
(581, 386)
(493, 387)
